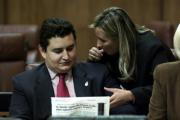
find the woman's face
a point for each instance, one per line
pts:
(109, 46)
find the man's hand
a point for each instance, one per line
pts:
(120, 96)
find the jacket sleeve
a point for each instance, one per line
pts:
(157, 106)
(109, 82)
(159, 54)
(19, 107)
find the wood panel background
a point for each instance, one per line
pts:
(2, 11)
(82, 12)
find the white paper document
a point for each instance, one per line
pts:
(80, 106)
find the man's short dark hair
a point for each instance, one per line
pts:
(54, 27)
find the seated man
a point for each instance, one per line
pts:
(33, 89)
(164, 103)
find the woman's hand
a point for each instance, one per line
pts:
(120, 96)
(95, 54)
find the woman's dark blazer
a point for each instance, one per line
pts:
(150, 52)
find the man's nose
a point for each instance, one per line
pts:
(65, 54)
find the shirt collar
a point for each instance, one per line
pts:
(54, 74)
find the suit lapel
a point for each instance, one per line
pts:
(45, 84)
(81, 82)
(44, 91)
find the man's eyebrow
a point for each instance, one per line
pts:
(70, 45)
(57, 48)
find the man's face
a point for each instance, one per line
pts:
(60, 55)
(109, 46)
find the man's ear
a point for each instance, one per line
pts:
(42, 51)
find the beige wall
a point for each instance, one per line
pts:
(82, 12)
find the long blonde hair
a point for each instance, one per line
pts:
(118, 26)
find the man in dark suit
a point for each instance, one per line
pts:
(34, 88)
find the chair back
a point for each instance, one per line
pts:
(5, 98)
(12, 58)
(164, 31)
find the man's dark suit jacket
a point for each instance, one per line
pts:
(33, 89)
